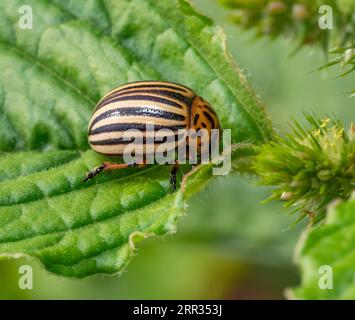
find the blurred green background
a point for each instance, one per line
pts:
(229, 246)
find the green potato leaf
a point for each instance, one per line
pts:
(52, 76)
(327, 256)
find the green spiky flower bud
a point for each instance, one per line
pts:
(309, 168)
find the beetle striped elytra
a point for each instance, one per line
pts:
(131, 106)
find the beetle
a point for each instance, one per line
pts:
(131, 106)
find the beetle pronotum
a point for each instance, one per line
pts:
(133, 105)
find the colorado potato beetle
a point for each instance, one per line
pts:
(133, 105)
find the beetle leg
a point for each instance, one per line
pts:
(91, 174)
(110, 166)
(173, 173)
(114, 166)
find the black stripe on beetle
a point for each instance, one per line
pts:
(167, 86)
(138, 111)
(209, 117)
(120, 141)
(169, 94)
(141, 98)
(134, 140)
(127, 126)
